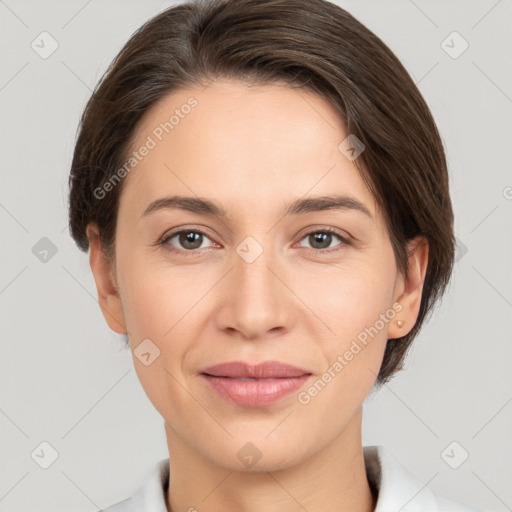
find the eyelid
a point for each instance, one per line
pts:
(163, 241)
(344, 237)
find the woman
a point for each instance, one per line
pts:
(265, 197)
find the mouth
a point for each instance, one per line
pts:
(255, 385)
(261, 371)
(246, 379)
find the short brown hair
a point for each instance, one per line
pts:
(309, 44)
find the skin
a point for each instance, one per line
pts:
(253, 150)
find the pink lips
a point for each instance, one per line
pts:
(255, 385)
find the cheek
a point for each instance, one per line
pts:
(349, 298)
(355, 305)
(354, 302)
(158, 309)
(157, 296)
(165, 304)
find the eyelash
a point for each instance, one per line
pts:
(192, 252)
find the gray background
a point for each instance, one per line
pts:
(67, 380)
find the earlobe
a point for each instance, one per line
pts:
(412, 289)
(108, 294)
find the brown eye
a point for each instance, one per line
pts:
(187, 240)
(320, 240)
(190, 239)
(323, 239)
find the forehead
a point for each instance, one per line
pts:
(240, 144)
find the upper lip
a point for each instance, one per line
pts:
(265, 370)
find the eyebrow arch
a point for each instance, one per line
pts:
(298, 207)
(191, 204)
(332, 202)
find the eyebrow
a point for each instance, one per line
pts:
(299, 207)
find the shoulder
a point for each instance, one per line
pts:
(445, 505)
(398, 489)
(149, 495)
(121, 506)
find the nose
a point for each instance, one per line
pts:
(257, 303)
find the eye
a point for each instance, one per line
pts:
(321, 240)
(188, 240)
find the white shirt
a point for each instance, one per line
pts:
(398, 490)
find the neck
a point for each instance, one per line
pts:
(331, 480)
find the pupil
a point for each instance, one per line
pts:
(189, 240)
(321, 237)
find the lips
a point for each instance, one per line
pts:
(254, 385)
(265, 370)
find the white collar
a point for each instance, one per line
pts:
(398, 490)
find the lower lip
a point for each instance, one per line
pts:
(255, 392)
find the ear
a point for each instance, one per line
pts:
(408, 289)
(108, 294)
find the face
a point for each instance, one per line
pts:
(242, 277)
